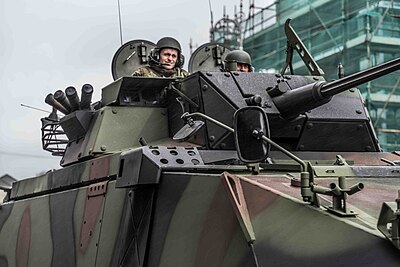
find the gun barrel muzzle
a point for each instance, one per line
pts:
(73, 97)
(54, 103)
(62, 99)
(86, 96)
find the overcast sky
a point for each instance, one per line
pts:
(46, 45)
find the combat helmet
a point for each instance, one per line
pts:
(169, 42)
(166, 42)
(237, 56)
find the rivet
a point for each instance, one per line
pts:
(358, 111)
(103, 148)
(266, 104)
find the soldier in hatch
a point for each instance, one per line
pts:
(165, 60)
(238, 60)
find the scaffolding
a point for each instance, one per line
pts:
(355, 33)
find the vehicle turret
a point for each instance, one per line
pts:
(305, 112)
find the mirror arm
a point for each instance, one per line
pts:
(187, 115)
(303, 165)
(306, 177)
(284, 151)
(181, 94)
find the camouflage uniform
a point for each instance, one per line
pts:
(154, 71)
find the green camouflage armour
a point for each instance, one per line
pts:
(155, 71)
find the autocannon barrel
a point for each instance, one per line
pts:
(294, 102)
(354, 80)
(73, 97)
(86, 96)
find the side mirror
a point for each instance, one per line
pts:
(250, 124)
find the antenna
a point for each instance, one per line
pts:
(26, 106)
(212, 21)
(240, 19)
(120, 24)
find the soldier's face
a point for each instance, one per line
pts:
(168, 58)
(242, 67)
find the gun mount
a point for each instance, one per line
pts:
(129, 194)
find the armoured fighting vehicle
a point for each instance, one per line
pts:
(215, 169)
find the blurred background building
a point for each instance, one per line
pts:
(6, 182)
(356, 33)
